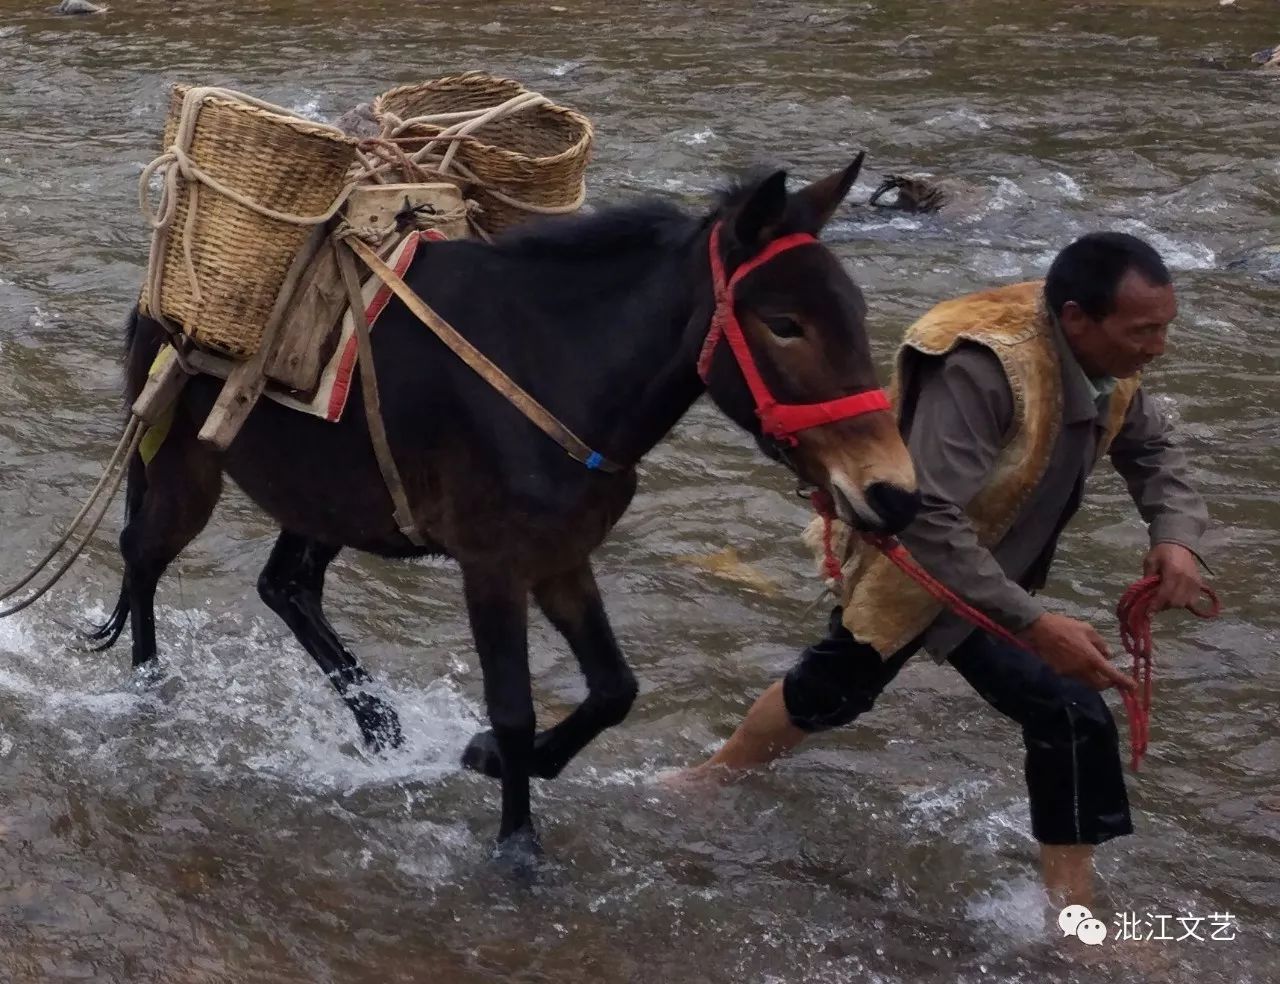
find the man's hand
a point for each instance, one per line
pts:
(1074, 649)
(1180, 581)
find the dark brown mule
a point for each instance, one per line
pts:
(602, 319)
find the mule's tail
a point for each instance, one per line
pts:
(138, 353)
(103, 637)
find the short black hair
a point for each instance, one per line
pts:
(1090, 270)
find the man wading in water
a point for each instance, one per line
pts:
(1010, 396)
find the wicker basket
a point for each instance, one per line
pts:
(537, 156)
(280, 161)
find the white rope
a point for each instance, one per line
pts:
(462, 125)
(115, 471)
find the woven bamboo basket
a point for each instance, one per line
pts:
(537, 156)
(280, 161)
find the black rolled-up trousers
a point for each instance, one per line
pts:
(1075, 779)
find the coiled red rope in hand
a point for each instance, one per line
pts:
(1134, 612)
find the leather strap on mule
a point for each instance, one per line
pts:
(372, 405)
(781, 421)
(538, 415)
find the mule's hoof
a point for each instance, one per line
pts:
(378, 721)
(146, 677)
(482, 755)
(519, 851)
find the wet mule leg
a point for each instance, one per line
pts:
(498, 608)
(572, 603)
(292, 585)
(170, 501)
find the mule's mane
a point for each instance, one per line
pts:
(647, 224)
(642, 225)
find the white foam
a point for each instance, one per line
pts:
(310, 109)
(961, 118)
(698, 137)
(1015, 909)
(16, 637)
(1066, 184)
(1000, 266)
(235, 695)
(1179, 255)
(432, 850)
(1007, 195)
(930, 807)
(898, 222)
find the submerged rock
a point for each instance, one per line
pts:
(921, 193)
(1268, 59)
(730, 566)
(359, 122)
(79, 7)
(1262, 261)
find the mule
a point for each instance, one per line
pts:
(602, 318)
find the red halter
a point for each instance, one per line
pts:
(781, 421)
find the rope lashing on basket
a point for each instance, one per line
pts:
(415, 168)
(463, 123)
(174, 164)
(431, 162)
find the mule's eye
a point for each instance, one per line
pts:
(784, 327)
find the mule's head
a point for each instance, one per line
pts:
(802, 320)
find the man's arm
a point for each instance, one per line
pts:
(1157, 475)
(962, 413)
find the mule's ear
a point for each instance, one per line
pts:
(824, 197)
(762, 211)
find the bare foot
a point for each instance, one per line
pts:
(693, 777)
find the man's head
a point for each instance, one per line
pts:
(1113, 296)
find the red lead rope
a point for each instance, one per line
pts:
(1134, 612)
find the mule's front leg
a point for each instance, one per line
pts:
(292, 585)
(571, 601)
(499, 612)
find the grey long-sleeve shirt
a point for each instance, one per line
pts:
(962, 409)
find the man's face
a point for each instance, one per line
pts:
(1124, 341)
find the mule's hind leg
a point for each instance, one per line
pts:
(292, 585)
(180, 486)
(572, 603)
(497, 606)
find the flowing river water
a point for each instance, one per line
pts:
(221, 825)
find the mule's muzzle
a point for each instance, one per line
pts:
(884, 507)
(895, 506)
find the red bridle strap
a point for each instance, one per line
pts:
(781, 421)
